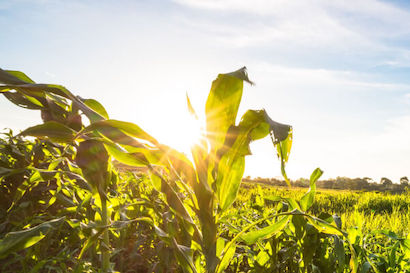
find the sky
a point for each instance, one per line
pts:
(337, 71)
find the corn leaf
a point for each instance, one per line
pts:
(266, 232)
(97, 107)
(226, 258)
(253, 125)
(13, 77)
(222, 106)
(18, 240)
(308, 198)
(128, 128)
(23, 101)
(51, 129)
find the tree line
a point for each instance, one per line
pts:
(341, 183)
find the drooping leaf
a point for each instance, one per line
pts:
(231, 165)
(266, 232)
(324, 227)
(132, 159)
(51, 129)
(97, 107)
(40, 90)
(13, 77)
(128, 128)
(23, 101)
(20, 75)
(184, 256)
(18, 240)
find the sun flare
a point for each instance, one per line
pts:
(188, 134)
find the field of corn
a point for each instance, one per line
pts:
(65, 208)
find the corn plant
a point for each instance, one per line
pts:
(189, 206)
(60, 111)
(212, 180)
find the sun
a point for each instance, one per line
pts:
(187, 133)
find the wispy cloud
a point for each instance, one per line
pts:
(366, 29)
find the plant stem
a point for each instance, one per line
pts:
(106, 240)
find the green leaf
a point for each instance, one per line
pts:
(92, 158)
(184, 257)
(64, 92)
(97, 107)
(40, 90)
(231, 181)
(23, 101)
(172, 198)
(226, 258)
(290, 201)
(283, 150)
(37, 176)
(18, 240)
(263, 257)
(324, 227)
(12, 77)
(266, 232)
(340, 253)
(132, 159)
(308, 198)
(91, 241)
(20, 75)
(55, 131)
(222, 106)
(128, 128)
(317, 173)
(254, 125)
(245, 229)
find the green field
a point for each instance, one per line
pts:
(367, 210)
(65, 207)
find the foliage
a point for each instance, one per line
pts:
(181, 216)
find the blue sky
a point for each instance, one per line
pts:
(336, 70)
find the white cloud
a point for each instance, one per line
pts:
(357, 28)
(281, 21)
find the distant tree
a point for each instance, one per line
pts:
(404, 181)
(369, 180)
(385, 181)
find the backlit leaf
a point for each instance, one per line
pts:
(18, 240)
(51, 129)
(308, 198)
(266, 232)
(97, 107)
